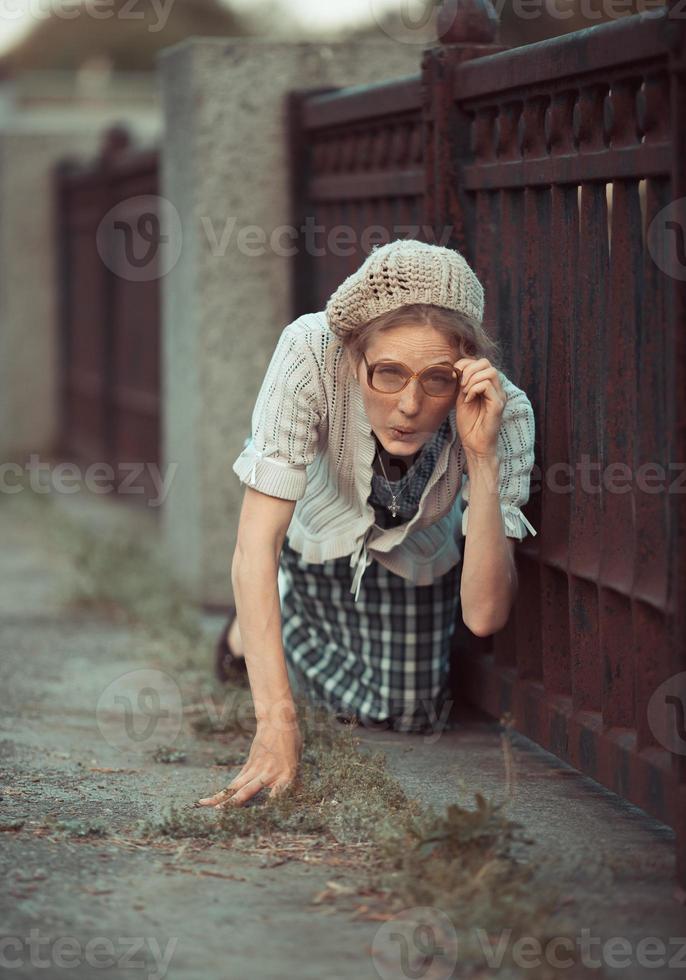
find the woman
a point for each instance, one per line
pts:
(378, 421)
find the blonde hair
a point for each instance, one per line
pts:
(465, 333)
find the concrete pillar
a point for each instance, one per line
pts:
(225, 169)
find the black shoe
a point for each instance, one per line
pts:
(227, 666)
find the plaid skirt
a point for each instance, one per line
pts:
(383, 660)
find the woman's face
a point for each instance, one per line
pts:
(410, 409)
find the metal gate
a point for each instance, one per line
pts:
(559, 170)
(109, 322)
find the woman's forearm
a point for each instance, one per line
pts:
(258, 609)
(489, 574)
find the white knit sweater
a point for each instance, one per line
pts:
(312, 442)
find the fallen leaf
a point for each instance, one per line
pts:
(333, 890)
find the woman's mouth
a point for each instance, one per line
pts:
(402, 433)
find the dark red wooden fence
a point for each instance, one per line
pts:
(517, 156)
(358, 168)
(109, 319)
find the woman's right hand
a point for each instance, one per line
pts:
(273, 761)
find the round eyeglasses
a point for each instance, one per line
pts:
(390, 377)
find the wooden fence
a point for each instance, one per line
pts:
(549, 167)
(109, 316)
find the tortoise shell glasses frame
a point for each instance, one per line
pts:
(410, 375)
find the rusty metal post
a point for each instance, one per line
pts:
(466, 29)
(676, 29)
(61, 209)
(115, 144)
(300, 165)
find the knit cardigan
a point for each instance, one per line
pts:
(312, 442)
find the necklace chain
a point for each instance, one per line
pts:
(394, 497)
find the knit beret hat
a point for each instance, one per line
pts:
(402, 272)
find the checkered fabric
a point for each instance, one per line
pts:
(386, 657)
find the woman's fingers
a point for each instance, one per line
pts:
(246, 777)
(488, 389)
(484, 381)
(477, 388)
(246, 792)
(470, 367)
(485, 374)
(232, 787)
(217, 798)
(273, 763)
(280, 786)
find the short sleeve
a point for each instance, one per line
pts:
(287, 417)
(516, 452)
